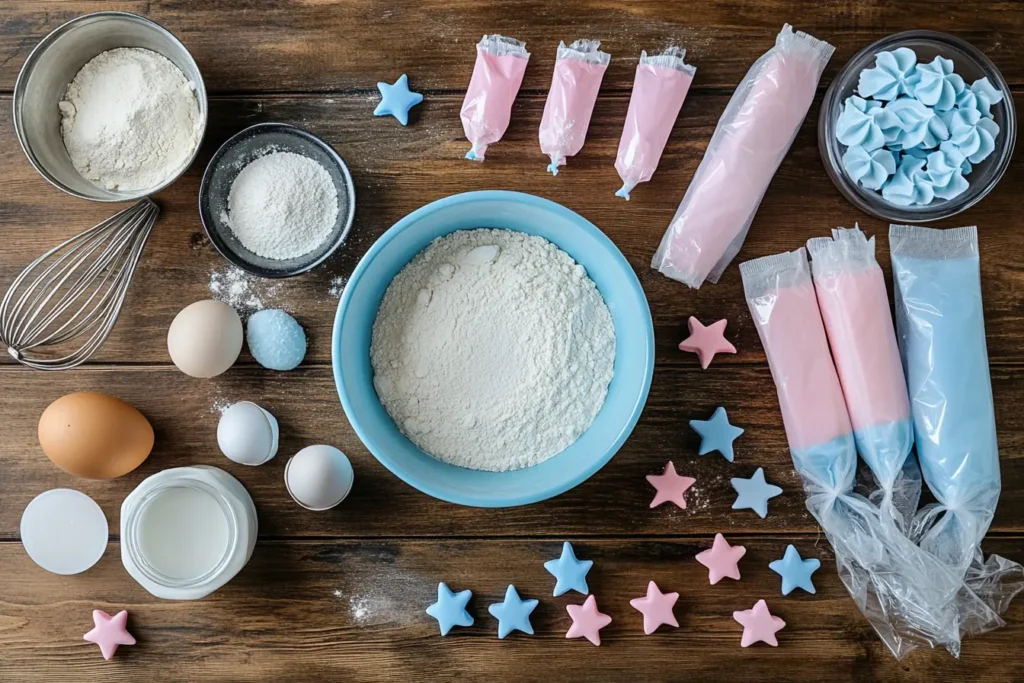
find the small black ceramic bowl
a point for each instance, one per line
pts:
(238, 152)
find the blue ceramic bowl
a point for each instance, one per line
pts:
(606, 266)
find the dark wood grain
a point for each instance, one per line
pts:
(340, 595)
(338, 45)
(397, 169)
(351, 611)
(613, 502)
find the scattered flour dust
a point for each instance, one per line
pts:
(365, 609)
(243, 292)
(492, 350)
(337, 287)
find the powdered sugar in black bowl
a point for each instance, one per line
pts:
(238, 242)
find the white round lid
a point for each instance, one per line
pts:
(64, 531)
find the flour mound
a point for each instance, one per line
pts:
(492, 350)
(130, 119)
(282, 205)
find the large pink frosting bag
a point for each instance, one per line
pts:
(579, 69)
(497, 75)
(659, 88)
(752, 137)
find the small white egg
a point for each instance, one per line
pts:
(205, 338)
(247, 434)
(318, 477)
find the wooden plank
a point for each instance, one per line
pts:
(399, 169)
(350, 45)
(613, 502)
(354, 611)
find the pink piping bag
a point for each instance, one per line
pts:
(751, 139)
(659, 88)
(855, 308)
(579, 69)
(497, 75)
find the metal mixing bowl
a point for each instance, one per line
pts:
(54, 63)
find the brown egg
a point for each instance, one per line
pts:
(94, 436)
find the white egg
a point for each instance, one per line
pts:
(205, 338)
(247, 434)
(318, 477)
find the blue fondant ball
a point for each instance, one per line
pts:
(275, 339)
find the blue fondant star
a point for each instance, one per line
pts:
(450, 609)
(716, 434)
(795, 571)
(753, 493)
(397, 99)
(570, 574)
(513, 614)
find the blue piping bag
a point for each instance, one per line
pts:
(941, 328)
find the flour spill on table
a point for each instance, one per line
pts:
(244, 292)
(337, 287)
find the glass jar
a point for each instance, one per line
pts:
(187, 531)
(971, 64)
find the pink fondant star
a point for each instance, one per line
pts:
(656, 608)
(722, 559)
(706, 341)
(587, 622)
(758, 625)
(670, 486)
(109, 631)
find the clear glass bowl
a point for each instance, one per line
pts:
(971, 64)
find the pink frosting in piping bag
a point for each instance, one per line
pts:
(497, 75)
(659, 88)
(855, 308)
(579, 69)
(752, 137)
(782, 300)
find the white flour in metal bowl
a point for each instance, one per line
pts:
(492, 350)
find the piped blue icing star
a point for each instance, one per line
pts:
(513, 614)
(716, 434)
(753, 493)
(916, 123)
(909, 185)
(889, 77)
(972, 133)
(936, 85)
(861, 123)
(795, 571)
(870, 169)
(450, 608)
(981, 96)
(570, 574)
(397, 99)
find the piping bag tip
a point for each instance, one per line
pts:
(625, 190)
(473, 156)
(553, 167)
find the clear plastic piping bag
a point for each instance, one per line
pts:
(941, 327)
(579, 70)
(659, 90)
(851, 294)
(753, 135)
(906, 594)
(487, 107)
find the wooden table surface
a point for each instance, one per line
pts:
(340, 595)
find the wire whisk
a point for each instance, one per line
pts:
(75, 290)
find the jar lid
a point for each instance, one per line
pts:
(64, 531)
